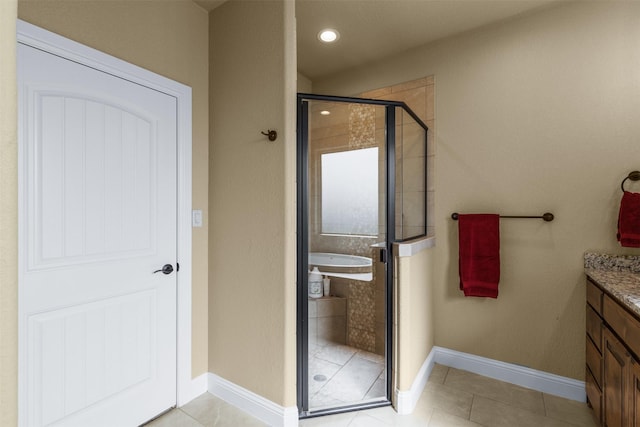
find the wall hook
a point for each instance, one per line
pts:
(272, 134)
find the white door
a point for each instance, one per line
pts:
(97, 198)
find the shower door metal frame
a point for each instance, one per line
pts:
(303, 243)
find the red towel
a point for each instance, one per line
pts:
(629, 220)
(479, 245)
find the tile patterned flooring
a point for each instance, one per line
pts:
(452, 398)
(340, 375)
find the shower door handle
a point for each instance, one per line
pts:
(383, 256)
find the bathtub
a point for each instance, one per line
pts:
(322, 259)
(341, 265)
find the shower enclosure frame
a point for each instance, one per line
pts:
(302, 243)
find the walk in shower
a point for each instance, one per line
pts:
(361, 187)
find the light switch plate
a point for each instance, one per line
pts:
(196, 218)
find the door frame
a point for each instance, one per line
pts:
(39, 38)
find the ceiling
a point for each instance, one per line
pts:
(374, 29)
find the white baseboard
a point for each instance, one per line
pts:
(193, 389)
(406, 400)
(507, 372)
(514, 374)
(265, 410)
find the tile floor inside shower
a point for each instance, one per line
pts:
(341, 375)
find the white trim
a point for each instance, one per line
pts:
(252, 403)
(31, 35)
(412, 247)
(195, 388)
(514, 374)
(406, 400)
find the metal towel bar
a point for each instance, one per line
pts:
(547, 216)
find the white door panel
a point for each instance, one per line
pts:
(102, 203)
(83, 355)
(97, 218)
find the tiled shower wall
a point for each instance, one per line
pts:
(419, 96)
(365, 309)
(350, 126)
(347, 127)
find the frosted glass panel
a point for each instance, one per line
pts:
(350, 192)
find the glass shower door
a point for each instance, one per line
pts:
(343, 188)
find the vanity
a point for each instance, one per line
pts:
(613, 339)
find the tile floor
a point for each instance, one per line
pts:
(340, 375)
(452, 398)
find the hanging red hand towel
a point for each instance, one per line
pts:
(629, 220)
(479, 258)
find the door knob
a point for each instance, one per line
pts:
(166, 269)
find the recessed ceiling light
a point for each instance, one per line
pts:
(325, 112)
(328, 35)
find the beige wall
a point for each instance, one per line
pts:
(8, 217)
(534, 114)
(304, 85)
(252, 232)
(169, 38)
(413, 315)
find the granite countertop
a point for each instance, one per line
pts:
(619, 275)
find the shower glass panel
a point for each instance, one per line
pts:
(411, 177)
(352, 153)
(346, 187)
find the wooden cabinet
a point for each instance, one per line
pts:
(593, 375)
(616, 376)
(613, 370)
(634, 396)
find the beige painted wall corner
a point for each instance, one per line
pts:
(8, 216)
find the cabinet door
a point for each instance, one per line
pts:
(616, 377)
(634, 394)
(594, 327)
